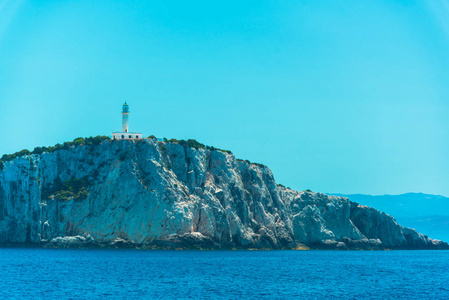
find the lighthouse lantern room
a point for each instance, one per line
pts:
(125, 134)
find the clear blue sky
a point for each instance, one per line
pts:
(334, 96)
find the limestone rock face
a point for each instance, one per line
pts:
(147, 193)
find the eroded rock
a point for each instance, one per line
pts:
(144, 193)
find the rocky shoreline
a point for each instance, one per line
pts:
(149, 194)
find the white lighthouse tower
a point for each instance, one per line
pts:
(125, 118)
(125, 134)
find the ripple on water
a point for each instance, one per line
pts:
(49, 273)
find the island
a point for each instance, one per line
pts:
(174, 194)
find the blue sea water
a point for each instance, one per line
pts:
(150, 274)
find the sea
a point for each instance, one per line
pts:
(30, 273)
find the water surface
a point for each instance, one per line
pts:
(61, 273)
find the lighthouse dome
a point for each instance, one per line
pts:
(125, 108)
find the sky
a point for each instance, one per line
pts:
(334, 96)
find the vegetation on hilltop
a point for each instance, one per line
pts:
(98, 139)
(283, 186)
(8, 157)
(195, 144)
(89, 141)
(252, 163)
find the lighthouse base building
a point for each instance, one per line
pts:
(125, 134)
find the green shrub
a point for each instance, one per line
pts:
(252, 163)
(24, 152)
(2, 165)
(212, 148)
(192, 144)
(260, 165)
(152, 137)
(54, 148)
(281, 185)
(9, 157)
(96, 140)
(38, 150)
(90, 141)
(308, 191)
(73, 188)
(189, 143)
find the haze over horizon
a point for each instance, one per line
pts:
(343, 97)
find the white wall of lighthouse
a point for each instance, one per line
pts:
(125, 122)
(125, 134)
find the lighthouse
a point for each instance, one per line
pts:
(125, 118)
(125, 134)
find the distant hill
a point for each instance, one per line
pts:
(428, 214)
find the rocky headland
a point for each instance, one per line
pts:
(176, 194)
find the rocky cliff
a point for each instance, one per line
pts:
(151, 194)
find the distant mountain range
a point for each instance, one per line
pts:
(428, 214)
